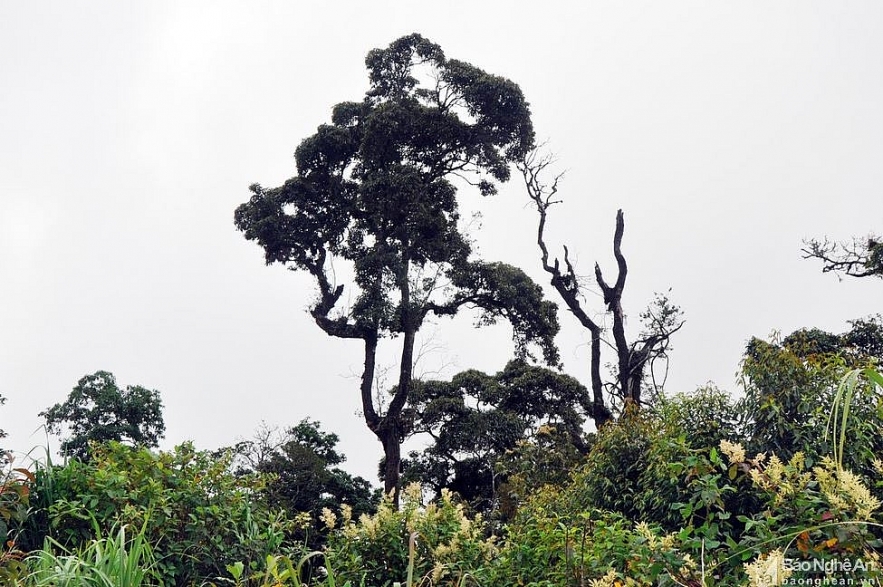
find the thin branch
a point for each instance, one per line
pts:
(566, 284)
(858, 258)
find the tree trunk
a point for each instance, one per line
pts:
(387, 429)
(393, 432)
(391, 437)
(600, 412)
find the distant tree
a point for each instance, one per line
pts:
(635, 359)
(861, 257)
(374, 194)
(304, 461)
(98, 410)
(476, 418)
(865, 338)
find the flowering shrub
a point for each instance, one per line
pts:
(753, 521)
(547, 548)
(444, 544)
(821, 513)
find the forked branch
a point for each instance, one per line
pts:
(632, 358)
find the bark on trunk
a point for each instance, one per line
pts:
(390, 437)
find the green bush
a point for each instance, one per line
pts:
(628, 471)
(790, 391)
(547, 548)
(197, 515)
(442, 544)
(705, 416)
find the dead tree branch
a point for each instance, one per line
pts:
(632, 358)
(858, 258)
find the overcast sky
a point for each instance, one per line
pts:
(129, 132)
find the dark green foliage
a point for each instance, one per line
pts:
(865, 339)
(306, 479)
(504, 291)
(857, 346)
(620, 457)
(374, 189)
(97, 410)
(475, 419)
(198, 516)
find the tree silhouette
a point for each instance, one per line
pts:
(374, 193)
(661, 319)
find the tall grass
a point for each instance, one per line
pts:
(838, 419)
(119, 560)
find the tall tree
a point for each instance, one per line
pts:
(375, 189)
(661, 320)
(98, 410)
(861, 257)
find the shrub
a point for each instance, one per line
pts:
(444, 544)
(790, 391)
(546, 548)
(196, 514)
(15, 489)
(628, 471)
(705, 416)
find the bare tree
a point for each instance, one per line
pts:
(257, 451)
(661, 320)
(861, 257)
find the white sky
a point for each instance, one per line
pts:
(129, 132)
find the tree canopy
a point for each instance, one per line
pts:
(97, 410)
(304, 465)
(476, 418)
(376, 192)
